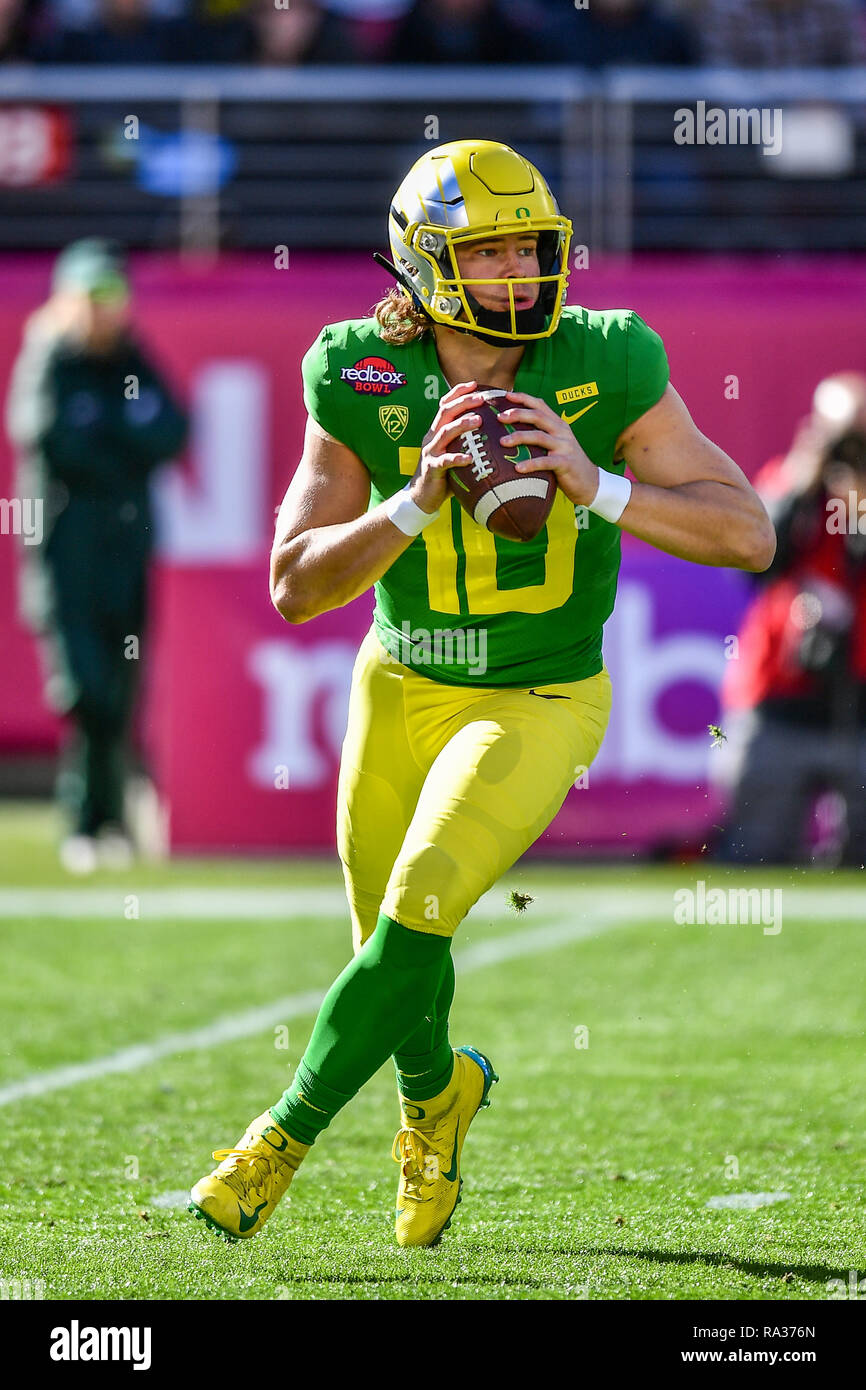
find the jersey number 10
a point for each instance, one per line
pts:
(479, 546)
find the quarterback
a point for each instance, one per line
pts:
(480, 690)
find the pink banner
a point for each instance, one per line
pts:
(248, 735)
(747, 341)
(249, 715)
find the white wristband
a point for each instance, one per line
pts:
(406, 515)
(612, 496)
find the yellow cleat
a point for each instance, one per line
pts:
(429, 1145)
(237, 1198)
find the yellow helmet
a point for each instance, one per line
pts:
(463, 191)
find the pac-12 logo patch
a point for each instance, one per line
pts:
(393, 419)
(374, 376)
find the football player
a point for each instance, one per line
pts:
(480, 692)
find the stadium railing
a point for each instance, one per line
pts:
(207, 158)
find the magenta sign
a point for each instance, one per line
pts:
(246, 714)
(253, 712)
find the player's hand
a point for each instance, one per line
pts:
(576, 474)
(430, 483)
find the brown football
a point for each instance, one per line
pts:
(514, 505)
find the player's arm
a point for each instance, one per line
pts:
(690, 498)
(327, 547)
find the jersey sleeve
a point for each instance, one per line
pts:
(647, 370)
(318, 385)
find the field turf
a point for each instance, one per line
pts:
(648, 1069)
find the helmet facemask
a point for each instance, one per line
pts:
(431, 274)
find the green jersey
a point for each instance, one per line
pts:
(463, 605)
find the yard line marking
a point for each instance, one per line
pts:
(746, 1201)
(222, 1030)
(230, 1027)
(177, 1199)
(502, 948)
(581, 915)
(290, 904)
(156, 903)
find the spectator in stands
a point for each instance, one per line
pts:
(14, 30)
(217, 31)
(369, 25)
(127, 31)
(460, 31)
(91, 418)
(620, 32)
(288, 36)
(84, 14)
(794, 702)
(307, 33)
(782, 33)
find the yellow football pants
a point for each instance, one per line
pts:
(442, 787)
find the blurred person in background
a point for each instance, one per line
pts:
(782, 33)
(91, 418)
(369, 24)
(305, 33)
(287, 36)
(794, 701)
(325, 31)
(461, 31)
(83, 14)
(16, 20)
(619, 32)
(121, 31)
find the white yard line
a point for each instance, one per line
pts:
(222, 1030)
(578, 916)
(290, 903)
(252, 1021)
(155, 903)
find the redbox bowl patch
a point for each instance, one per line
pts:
(374, 376)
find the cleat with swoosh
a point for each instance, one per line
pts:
(236, 1199)
(429, 1147)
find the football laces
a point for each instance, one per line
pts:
(481, 465)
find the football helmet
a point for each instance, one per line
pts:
(461, 192)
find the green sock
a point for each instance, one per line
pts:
(425, 1060)
(366, 1015)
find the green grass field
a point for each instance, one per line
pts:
(721, 1061)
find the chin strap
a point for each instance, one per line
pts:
(392, 270)
(531, 320)
(389, 266)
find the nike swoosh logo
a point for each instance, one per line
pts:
(302, 1097)
(247, 1222)
(549, 697)
(570, 419)
(452, 1171)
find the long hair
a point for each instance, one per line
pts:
(399, 319)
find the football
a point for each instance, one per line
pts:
(511, 504)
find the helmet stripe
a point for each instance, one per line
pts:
(452, 198)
